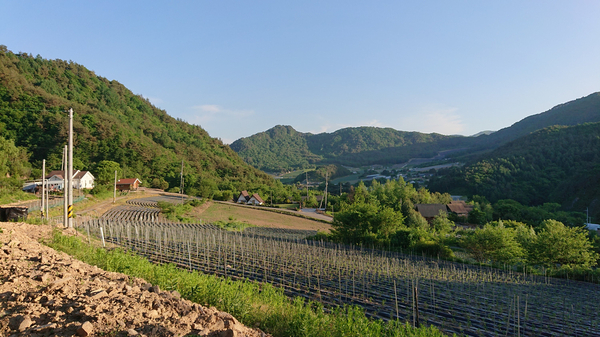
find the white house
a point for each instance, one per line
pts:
(243, 198)
(255, 200)
(81, 179)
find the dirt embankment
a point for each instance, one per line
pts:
(48, 293)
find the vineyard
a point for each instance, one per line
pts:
(457, 298)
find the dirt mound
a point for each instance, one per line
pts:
(48, 293)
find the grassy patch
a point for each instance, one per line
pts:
(251, 302)
(292, 207)
(8, 197)
(179, 212)
(266, 217)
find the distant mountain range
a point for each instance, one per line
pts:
(282, 148)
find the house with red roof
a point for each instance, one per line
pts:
(128, 184)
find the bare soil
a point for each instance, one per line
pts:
(48, 293)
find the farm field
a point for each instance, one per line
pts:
(463, 299)
(212, 212)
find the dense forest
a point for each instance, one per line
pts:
(557, 164)
(111, 124)
(579, 111)
(282, 148)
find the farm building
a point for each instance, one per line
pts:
(430, 211)
(128, 184)
(459, 208)
(243, 198)
(255, 200)
(81, 180)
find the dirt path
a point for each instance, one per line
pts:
(48, 293)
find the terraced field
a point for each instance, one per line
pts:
(457, 298)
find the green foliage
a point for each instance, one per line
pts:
(559, 165)
(558, 245)
(252, 303)
(368, 223)
(494, 242)
(13, 160)
(321, 173)
(384, 215)
(105, 172)
(284, 149)
(110, 124)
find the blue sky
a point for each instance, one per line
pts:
(241, 67)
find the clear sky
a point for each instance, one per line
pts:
(241, 67)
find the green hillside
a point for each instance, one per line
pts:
(283, 148)
(556, 164)
(579, 111)
(110, 123)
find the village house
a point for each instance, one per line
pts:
(460, 208)
(430, 211)
(81, 180)
(255, 200)
(243, 198)
(128, 184)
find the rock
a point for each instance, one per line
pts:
(155, 289)
(197, 326)
(176, 294)
(98, 294)
(218, 325)
(228, 333)
(86, 329)
(45, 327)
(132, 332)
(146, 286)
(14, 243)
(59, 283)
(25, 323)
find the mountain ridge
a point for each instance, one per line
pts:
(110, 123)
(368, 145)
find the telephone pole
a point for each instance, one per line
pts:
(181, 184)
(326, 183)
(65, 192)
(43, 186)
(70, 168)
(115, 189)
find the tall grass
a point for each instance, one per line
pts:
(254, 304)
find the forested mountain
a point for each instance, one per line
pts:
(110, 123)
(283, 148)
(579, 111)
(556, 164)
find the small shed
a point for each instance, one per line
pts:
(128, 184)
(14, 213)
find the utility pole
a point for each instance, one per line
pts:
(70, 168)
(42, 209)
(65, 192)
(326, 183)
(115, 189)
(181, 183)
